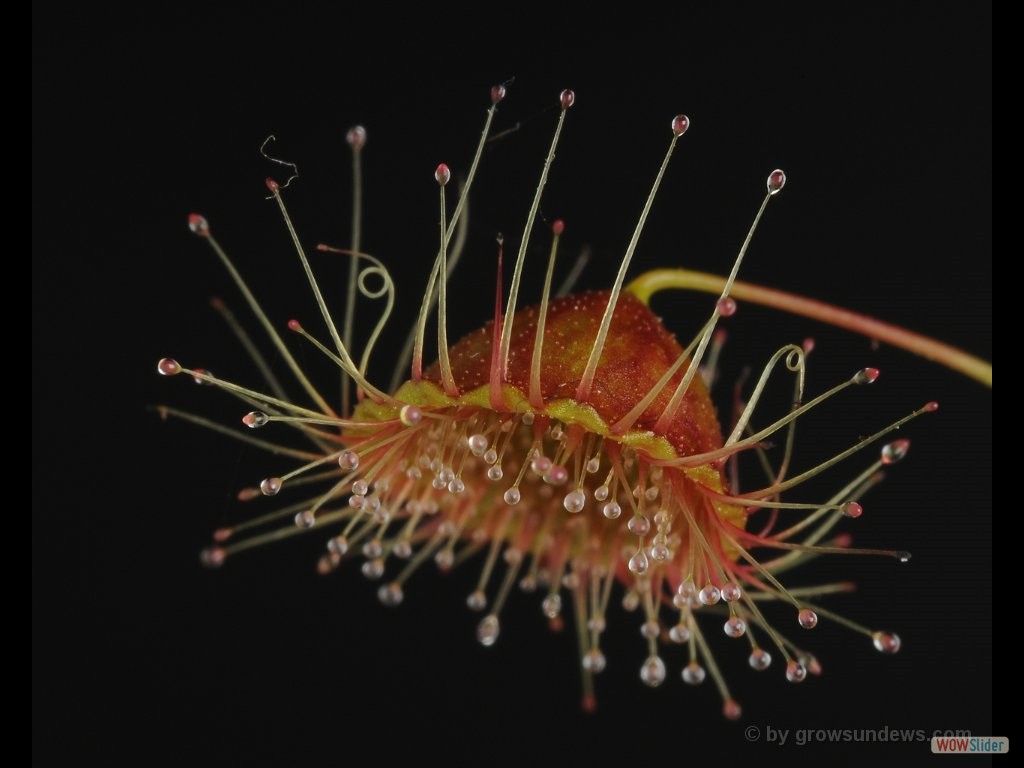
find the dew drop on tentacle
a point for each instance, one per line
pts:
(168, 367)
(487, 630)
(594, 661)
(214, 557)
(795, 671)
(895, 451)
(552, 606)
(807, 618)
(693, 673)
(886, 642)
(852, 509)
(198, 225)
(390, 594)
(710, 595)
(271, 486)
(776, 181)
(255, 419)
(735, 627)
(410, 415)
(727, 306)
(679, 633)
(356, 137)
(477, 600)
(866, 376)
(760, 659)
(349, 460)
(653, 671)
(574, 501)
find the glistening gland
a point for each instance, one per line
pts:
(570, 448)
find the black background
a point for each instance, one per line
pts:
(881, 117)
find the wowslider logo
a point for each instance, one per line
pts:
(970, 745)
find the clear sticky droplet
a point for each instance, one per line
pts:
(650, 630)
(477, 444)
(402, 549)
(199, 225)
(255, 419)
(710, 595)
(693, 673)
(512, 496)
(731, 592)
(477, 600)
(445, 559)
(540, 464)
(213, 557)
(305, 519)
(410, 415)
(731, 709)
(567, 98)
(679, 633)
(497, 94)
(487, 630)
(356, 137)
(886, 642)
(574, 501)
(866, 376)
(552, 606)
(735, 627)
(338, 545)
(661, 553)
(852, 509)
(360, 487)
(638, 563)
(495, 473)
(601, 492)
(490, 455)
(594, 661)
(760, 659)
(653, 671)
(680, 124)
(442, 174)
(593, 465)
(795, 671)
(270, 486)
(168, 367)
(895, 451)
(776, 181)
(456, 485)
(727, 306)
(639, 525)
(349, 460)
(390, 594)
(808, 619)
(556, 475)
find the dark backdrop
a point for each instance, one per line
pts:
(881, 117)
